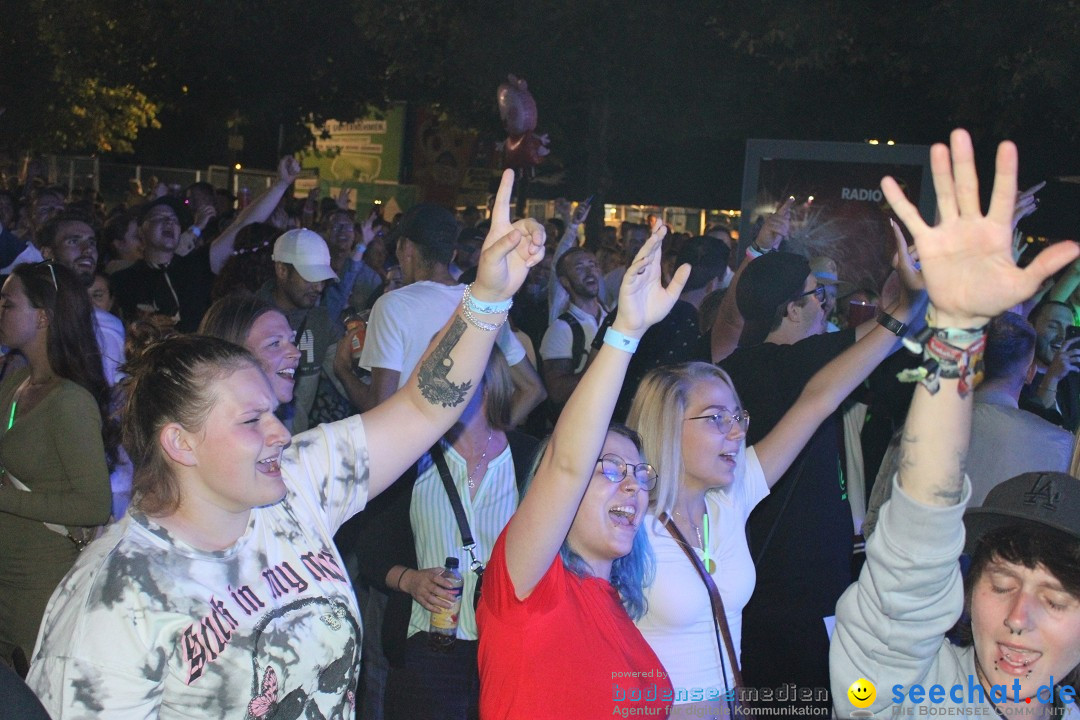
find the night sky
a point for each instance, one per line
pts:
(644, 102)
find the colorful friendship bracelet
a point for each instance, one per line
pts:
(950, 353)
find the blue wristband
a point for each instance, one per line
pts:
(617, 340)
(484, 308)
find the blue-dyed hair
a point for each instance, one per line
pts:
(631, 573)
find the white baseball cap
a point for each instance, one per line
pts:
(307, 252)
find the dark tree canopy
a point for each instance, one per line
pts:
(259, 68)
(644, 101)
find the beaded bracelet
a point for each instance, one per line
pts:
(478, 323)
(471, 303)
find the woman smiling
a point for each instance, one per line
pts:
(566, 575)
(222, 594)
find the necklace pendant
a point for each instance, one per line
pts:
(708, 562)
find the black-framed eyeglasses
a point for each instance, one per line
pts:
(614, 468)
(819, 292)
(723, 421)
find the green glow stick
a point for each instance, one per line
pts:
(705, 522)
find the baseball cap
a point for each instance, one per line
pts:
(768, 282)
(307, 252)
(429, 225)
(1049, 499)
(470, 235)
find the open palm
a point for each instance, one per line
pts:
(967, 259)
(643, 299)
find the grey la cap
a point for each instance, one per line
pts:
(1050, 499)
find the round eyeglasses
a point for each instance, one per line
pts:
(615, 469)
(723, 421)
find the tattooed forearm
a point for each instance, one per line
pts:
(954, 481)
(946, 486)
(434, 385)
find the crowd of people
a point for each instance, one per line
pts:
(237, 445)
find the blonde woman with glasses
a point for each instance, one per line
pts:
(693, 430)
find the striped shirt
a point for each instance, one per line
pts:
(436, 531)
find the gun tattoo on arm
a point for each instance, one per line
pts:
(431, 377)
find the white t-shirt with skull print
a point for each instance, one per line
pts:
(146, 626)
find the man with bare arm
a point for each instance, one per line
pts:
(1018, 651)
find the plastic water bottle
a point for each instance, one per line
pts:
(443, 628)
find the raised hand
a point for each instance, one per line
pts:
(562, 209)
(288, 169)
(343, 198)
(1026, 203)
(204, 215)
(367, 229)
(906, 261)
(510, 249)
(581, 212)
(643, 299)
(776, 227)
(967, 259)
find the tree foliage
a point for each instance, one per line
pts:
(657, 99)
(94, 75)
(54, 97)
(645, 101)
(914, 70)
(616, 83)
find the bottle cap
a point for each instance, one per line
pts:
(451, 562)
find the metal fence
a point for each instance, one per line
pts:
(112, 180)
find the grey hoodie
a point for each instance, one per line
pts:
(891, 623)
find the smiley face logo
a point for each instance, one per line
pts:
(862, 693)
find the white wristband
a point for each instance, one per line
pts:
(617, 340)
(471, 303)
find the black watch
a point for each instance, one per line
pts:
(891, 324)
